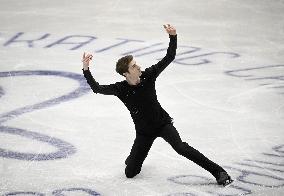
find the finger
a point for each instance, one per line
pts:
(86, 60)
(165, 26)
(88, 56)
(84, 55)
(168, 25)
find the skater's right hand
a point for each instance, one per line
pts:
(86, 60)
(170, 29)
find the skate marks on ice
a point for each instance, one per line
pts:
(250, 176)
(64, 149)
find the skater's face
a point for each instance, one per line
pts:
(134, 70)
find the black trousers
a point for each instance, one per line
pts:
(142, 145)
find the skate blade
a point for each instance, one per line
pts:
(228, 182)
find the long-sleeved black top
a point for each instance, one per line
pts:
(141, 99)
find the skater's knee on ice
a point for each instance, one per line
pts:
(129, 174)
(130, 171)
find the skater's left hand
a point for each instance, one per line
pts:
(170, 29)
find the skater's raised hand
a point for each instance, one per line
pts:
(86, 60)
(170, 29)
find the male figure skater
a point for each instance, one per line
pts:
(138, 93)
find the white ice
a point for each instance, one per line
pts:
(225, 91)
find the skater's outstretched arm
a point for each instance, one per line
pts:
(95, 86)
(156, 69)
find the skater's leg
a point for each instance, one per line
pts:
(171, 135)
(137, 155)
(133, 150)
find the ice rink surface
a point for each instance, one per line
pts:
(225, 91)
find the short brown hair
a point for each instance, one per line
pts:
(122, 64)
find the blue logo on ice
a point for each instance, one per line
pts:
(64, 149)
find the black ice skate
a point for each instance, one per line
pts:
(224, 179)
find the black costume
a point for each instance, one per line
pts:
(151, 120)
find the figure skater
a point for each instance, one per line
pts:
(138, 93)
